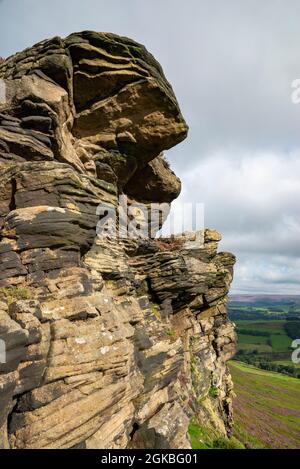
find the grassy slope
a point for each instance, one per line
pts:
(267, 407)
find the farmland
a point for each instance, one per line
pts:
(266, 332)
(266, 384)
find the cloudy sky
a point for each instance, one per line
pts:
(231, 64)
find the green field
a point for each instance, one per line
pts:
(275, 325)
(266, 344)
(276, 337)
(250, 339)
(266, 381)
(281, 342)
(267, 308)
(266, 408)
(250, 347)
(271, 334)
(266, 328)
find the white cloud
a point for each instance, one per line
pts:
(267, 274)
(253, 200)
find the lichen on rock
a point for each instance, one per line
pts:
(110, 343)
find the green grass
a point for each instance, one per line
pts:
(155, 311)
(213, 392)
(171, 332)
(206, 438)
(280, 342)
(276, 342)
(199, 436)
(266, 409)
(11, 294)
(252, 339)
(260, 348)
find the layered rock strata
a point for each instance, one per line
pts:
(110, 342)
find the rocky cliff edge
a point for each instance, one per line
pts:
(109, 342)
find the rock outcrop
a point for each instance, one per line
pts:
(110, 342)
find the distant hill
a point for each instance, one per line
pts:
(264, 299)
(266, 408)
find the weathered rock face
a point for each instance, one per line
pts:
(110, 342)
